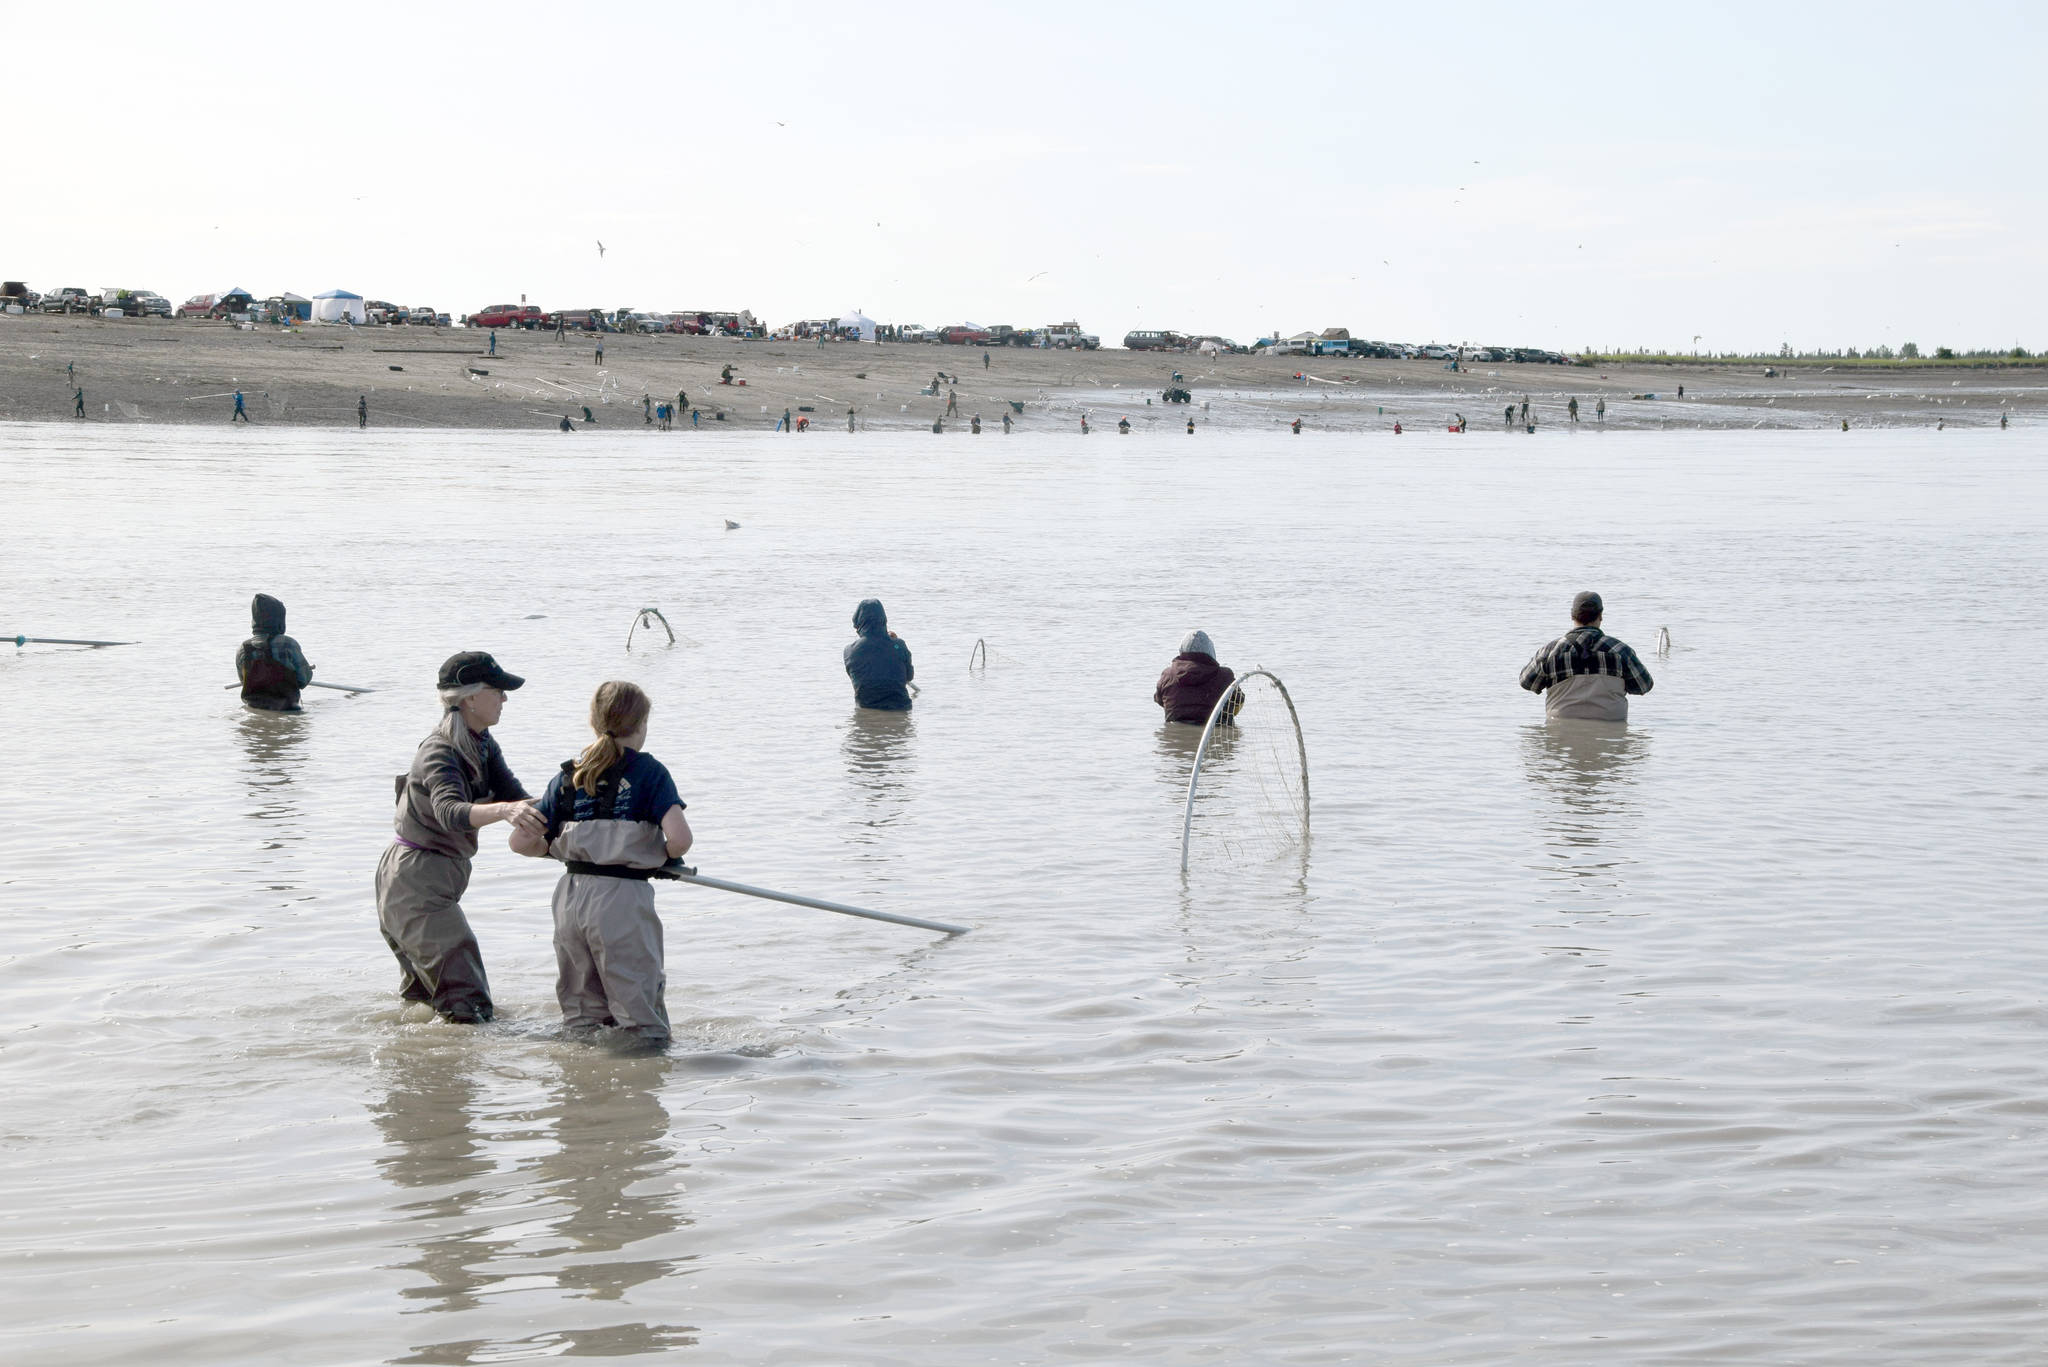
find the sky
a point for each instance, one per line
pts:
(1709, 176)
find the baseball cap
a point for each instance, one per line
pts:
(476, 667)
(1585, 607)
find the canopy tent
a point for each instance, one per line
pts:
(1211, 347)
(859, 322)
(339, 306)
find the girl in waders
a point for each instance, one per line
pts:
(458, 782)
(612, 816)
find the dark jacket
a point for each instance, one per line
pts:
(453, 769)
(878, 663)
(270, 664)
(1189, 687)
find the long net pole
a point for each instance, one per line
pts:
(688, 875)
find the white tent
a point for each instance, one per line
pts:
(339, 306)
(860, 322)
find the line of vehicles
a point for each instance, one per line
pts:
(241, 306)
(73, 299)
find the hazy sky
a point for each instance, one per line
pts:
(1561, 175)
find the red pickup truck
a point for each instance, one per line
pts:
(962, 335)
(507, 316)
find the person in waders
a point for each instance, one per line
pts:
(458, 782)
(878, 662)
(270, 664)
(611, 815)
(240, 414)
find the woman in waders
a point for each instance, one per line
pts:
(612, 815)
(458, 782)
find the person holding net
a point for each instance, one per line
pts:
(1192, 682)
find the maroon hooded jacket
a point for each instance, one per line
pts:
(1189, 687)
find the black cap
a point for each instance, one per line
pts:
(1586, 607)
(476, 667)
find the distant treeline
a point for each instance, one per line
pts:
(1877, 356)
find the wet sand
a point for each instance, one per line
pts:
(163, 371)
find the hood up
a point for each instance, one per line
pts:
(266, 615)
(869, 619)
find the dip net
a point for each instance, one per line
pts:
(1247, 797)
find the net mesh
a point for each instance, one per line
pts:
(1251, 801)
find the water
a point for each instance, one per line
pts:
(1718, 1039)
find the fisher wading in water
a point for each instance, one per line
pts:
(612, 816)
(1192, 682)
(878, 663)
(458, 782)
(270, 664)
(1585, 673)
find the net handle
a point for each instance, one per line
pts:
(1187, 820)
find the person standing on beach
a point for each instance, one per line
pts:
(240, 412)
(682, 401)
(1585, 673)
(1006, 424)
(70, 374)
(984, 360)
(270, 664)
(494, 342)
(362, 410)
(1600, 410)
(78, 403)
(1573, 408)
(647, 409)
(600, 349)
(849, 419)
(1525, 408)
(1508, 415)
(952, 403)
(458, 782)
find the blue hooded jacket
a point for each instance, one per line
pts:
(878, 663)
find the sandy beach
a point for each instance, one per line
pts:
(163, 371)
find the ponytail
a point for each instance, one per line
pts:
(617, 710)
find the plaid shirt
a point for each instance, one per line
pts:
(1585, 650)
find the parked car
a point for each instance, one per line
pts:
(70, 299)
(423, 317)
(962, 334)
(1154, 341)
(200, 306)
(510, 315)
(155, 305)
(649, 323)
(1069, 334)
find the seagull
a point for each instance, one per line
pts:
(1029, 279)
(600, 251)
(731, 525)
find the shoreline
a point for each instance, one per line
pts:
(184, 372)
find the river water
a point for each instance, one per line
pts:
(1715, 1038)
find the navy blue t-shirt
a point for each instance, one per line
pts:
(646, 792)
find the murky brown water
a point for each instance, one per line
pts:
(1719, 1039)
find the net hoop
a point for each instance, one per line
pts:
(647, 617)
(1187, 820)
(980, 652)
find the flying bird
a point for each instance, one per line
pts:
(600, 251)
(1029, 279)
